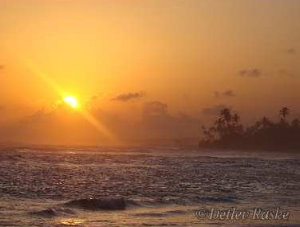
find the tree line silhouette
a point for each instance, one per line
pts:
(227, 132)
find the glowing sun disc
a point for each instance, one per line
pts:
(71, 101)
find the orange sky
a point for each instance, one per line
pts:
(143, 68)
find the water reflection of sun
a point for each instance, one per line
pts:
(71, 222)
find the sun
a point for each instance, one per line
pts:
(71, 101)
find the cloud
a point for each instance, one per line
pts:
(291, 51)
(1, 67)
(214, 110)
(57, 126)
(155, 108)
(250, 72)
(151, 122)
(128, 96)
(157, 122)
(227, 93)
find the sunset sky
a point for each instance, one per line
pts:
(142, 69)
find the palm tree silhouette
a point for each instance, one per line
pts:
(228, 132)
(284, 112)
(226, 115)
(236, 118)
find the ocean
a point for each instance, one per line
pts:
(161, 186)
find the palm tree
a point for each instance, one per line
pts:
(284, 112)
(236, 118)
(226, 115)
(228, 132)
(265, 122)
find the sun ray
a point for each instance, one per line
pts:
(99, 126)
(72, 101)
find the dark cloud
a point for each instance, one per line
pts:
(37, 117)
(57, 126)
(129, 96)
(214, 110)
(250, 72)
(291, 51)
(61, 126)
(227, 93)
(157, 122)
(155, 108)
